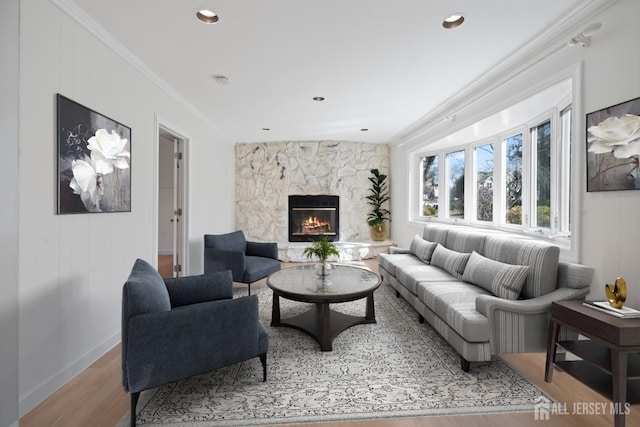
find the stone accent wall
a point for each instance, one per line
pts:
(267, 173)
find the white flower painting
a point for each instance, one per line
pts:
(613, 148)
(93, 161)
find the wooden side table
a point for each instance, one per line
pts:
(610, 361)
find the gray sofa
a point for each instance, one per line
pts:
(485, 292)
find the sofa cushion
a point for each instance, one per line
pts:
(502, 280)
(451, 261)
(393, 262)
(435, 233)
(462, 240)
(410, 276)
(541, 257)
(421, 248)
(455, 303)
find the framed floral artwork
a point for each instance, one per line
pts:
(613, 147)
(94, 161)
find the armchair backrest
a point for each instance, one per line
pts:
(234, 241)
(143, 292)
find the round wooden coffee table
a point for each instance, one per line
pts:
(345, 283)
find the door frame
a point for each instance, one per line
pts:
(162, 125)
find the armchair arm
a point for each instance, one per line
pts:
(190, 340)
(195, 289)
(521, 326)
(219, 260)
(263, 249)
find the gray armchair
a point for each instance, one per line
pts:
(248, 261)
(176, 328)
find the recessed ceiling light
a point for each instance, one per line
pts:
(207, 16)
(318, 98)
(364, 130)
(454, 20)
(265, 129)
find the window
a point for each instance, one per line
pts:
(513, 179)
(429, 168)
(541, 140)
(518, 166)
(484, 182)
(455, 173)
(520, 178)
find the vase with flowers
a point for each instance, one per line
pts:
(321, 249)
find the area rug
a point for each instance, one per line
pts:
(394, 368)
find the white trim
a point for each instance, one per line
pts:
(32, 398)
(97, 30)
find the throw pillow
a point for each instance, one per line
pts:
(421, 248)
(195, 289)
(448, 260)
(502, 280)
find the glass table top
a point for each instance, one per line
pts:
(343, 280)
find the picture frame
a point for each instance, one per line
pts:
(613, 147)
(94, 161)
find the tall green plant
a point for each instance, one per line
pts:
(378, 195)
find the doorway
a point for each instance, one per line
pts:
(171, 197)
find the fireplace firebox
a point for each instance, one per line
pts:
(312, 217)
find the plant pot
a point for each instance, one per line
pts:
(378, 232)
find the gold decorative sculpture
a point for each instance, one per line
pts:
(616, 293)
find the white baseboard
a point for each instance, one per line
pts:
(37, 395)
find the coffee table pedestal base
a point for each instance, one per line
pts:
(321, 322)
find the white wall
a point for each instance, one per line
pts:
(610, 221)
(72, 267)
(9, 129)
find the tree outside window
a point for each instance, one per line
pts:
(513, 179)
(430, 173)
(484, 182)
(541, 136)
(455, 164)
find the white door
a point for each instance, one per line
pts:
(171, 226)
(178, 229)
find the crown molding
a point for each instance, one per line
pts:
(96, 29)
(542, 46)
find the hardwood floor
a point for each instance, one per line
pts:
(95, 398)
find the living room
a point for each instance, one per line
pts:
(61, 300)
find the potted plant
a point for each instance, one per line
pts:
(322, 249)
(378, 196)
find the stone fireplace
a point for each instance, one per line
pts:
(312, 217)
(266, 174)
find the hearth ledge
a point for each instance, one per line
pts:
(349, 251)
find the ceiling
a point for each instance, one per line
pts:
(380, 65)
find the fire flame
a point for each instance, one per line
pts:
(313, 223)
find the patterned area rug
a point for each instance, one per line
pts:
(394, 368)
